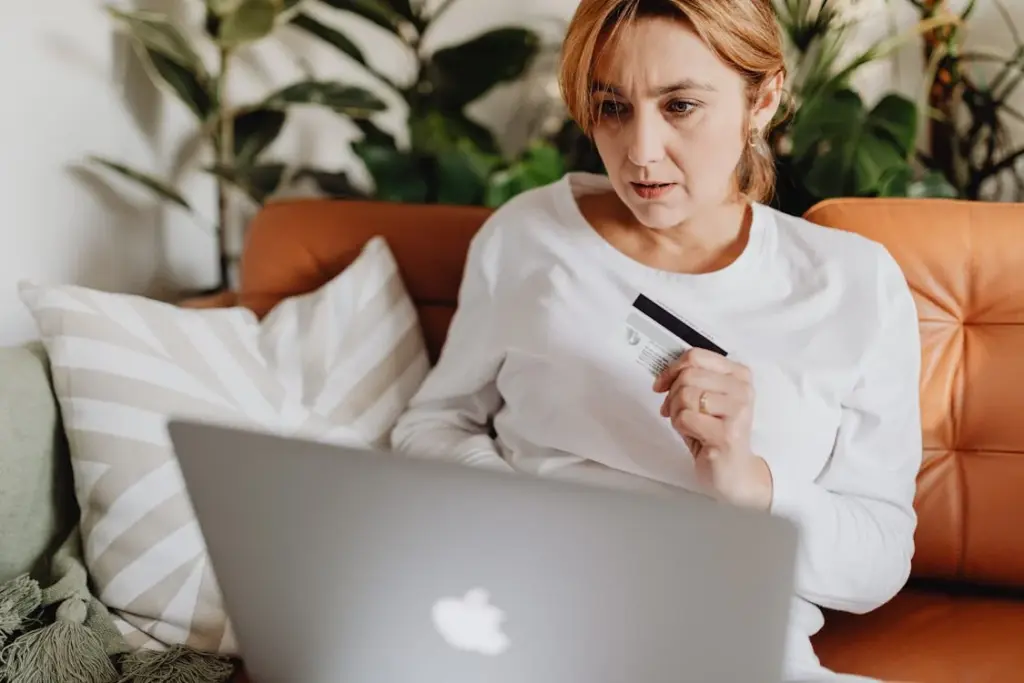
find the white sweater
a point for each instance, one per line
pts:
(824, 319)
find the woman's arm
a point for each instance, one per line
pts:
(449, 417)
(857, 521)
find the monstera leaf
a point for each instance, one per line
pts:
(902, 182)
(464, 73)
(845, 149)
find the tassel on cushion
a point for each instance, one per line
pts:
(178, 664)
(65, 651)
(19, 598)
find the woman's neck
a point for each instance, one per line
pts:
(703, 243)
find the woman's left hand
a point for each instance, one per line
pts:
(710, 401)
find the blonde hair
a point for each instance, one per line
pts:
(742, 33)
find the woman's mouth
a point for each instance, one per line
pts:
(651, 190)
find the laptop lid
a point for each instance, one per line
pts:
(339, 565)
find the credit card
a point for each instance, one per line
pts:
(656, 336)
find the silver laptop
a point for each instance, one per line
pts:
(343, 566)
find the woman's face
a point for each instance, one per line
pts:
(672, 122)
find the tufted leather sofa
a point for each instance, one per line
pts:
(961, 617)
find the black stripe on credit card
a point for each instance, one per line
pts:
(675, 325)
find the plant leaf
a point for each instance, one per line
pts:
(933, 184)
(335, 184)
(542, 164)
(849, 151)
(896, 117)
(157, 34)
(434, 131)
(462, 174)
(149, 182)
(396, 175)
(403, 8)
(856, 152)
(258, 182)
(374, 135)
(254, 131)
(251, 21)
(376, 11)
(329, 35)
(187, 85)
(347, 100)
(464, 73)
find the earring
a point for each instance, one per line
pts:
(755, 137)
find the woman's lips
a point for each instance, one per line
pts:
(651, 190)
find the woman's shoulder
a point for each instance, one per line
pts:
(527, 221)
(860, 258)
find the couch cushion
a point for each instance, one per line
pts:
(294, 246)
(340, 363)
(37, 504)
(962, 261)
(929, 636)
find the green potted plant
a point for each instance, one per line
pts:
(970, 144)
(830, 142)
(450, 157)
(235, 136)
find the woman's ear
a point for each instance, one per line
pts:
(767, 101)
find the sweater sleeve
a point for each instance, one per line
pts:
(449, 416)
(857, 521)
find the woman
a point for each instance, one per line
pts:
(811, 414)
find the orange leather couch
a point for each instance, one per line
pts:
(961, 617)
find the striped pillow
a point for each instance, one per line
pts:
(339, 363)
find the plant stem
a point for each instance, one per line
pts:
(225, 158)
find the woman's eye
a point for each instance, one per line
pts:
(680, 107)
(611, 108)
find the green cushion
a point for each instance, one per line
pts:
(37, 502)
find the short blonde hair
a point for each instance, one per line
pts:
(742, 33)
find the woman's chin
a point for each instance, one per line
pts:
(660, 216)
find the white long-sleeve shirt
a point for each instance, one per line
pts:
(533, 378)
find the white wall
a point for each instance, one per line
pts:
(71, 90)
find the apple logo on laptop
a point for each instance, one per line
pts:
(471, 623)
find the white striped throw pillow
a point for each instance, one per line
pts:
(339, 363)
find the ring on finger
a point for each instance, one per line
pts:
(702, 402)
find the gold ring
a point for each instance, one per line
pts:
(702, 402)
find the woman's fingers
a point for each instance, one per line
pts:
(702, 359)
(690, 382)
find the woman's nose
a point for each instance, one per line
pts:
(646, 144)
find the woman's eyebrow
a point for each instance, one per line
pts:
(685, 84)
